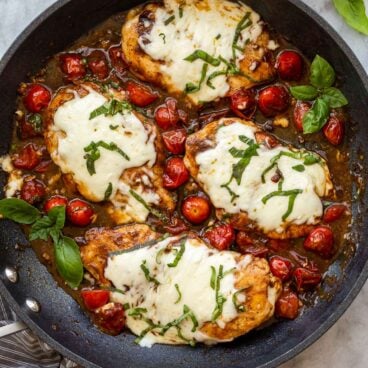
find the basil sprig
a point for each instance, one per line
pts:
(322, 77)
(354, 14)
(67, 256)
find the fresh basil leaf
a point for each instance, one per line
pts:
(49, 225)
(19, 211)
(316, 117)
(304, 93)
(322, 73)
(354, 14)
(203, 55)
(299, 168)
(334, 97)
(68, 261)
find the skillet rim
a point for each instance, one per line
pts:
(333, 317)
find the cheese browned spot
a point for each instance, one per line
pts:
(276, 187)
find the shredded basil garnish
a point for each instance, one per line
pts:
(113, 127)
(179, 255)
(179, 294)
(154, 212)
(187, 313)
(299, 168)
(111, 108)
(112, 289)
(36, 121)
(147, 273)
(238, 306)
(190, 342)
(137, 312)
(126, 306)
(191, 87)
(180, 12)
(93, 153)
(243, 24)
(151, 326)
(169, 20)
(203, 55)
(163, 37)
(218, 36)
(108, 192)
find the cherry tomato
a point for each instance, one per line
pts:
(306, 279)
(30, 127)
(97, 64)
(334, 130)
(334, 212)
(273, 100)
(196, 209)
(27, 158)
(94, 299)
(43, 166)
(287, 305)
(304, 262)
(72, 65)
(281, 267)
(321, 241)
(166, 115)
(243, 103)
(33, 191)
(54, 201)
(301, 108)
(37, 97)
(269, 140)
(175, 141)
(139, 94)
(289, 65)
(116, 58)
(278, 244)
(176, 226)
(175, 173)
(110, 317)
(221, 236)
(79, 212)
(248, 245)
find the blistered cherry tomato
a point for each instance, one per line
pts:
(33, 191)
(94, 299)
(72, 65)
(248, 245)
(97, 64)
(281, 267)
(116, 58)
(27, 158)
(54, 201)
(79, 212)
(196, 209)
(273, 100)
(221, 236)
(166, 115)
(289, 65)
(301, 108)
(176, 226)
(30, 127)
(321, 241)
(287, 305)
(334, 130)
(37, 97)
(175, 173)
(243, 103)
(306, 279)
(43, 166)
(110, 317)
(304, 261)
(174, 141)
(139, 94)
(334, 212)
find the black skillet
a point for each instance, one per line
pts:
(61, 323)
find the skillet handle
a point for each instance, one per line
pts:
(12, 328)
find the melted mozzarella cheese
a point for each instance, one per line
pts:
(215, 170)
(76, 131)
(187, 284)
(15, 179)
(209, 26)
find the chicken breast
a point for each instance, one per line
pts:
(255, 182)
(180, 291)
(175, 46)
(100, 241)
(107, 151)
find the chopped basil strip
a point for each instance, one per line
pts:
(36, 121)
(137, 312)
(238, 306)
(179, 294)
(126, 306)
(111, 108)
(163, 37)
(112, 289)
(243, 24)
(93, 153)
(108, 192)
(169, 20)
(180, 12)
(213, 76)
(179, 255)
(187, 313)
(113, 127)
(218, 36)
(203, 55)
(215, 284)
(299, 168)
(147, 273)
(191, 87)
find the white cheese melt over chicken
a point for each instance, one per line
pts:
(215, 169)
(210, 29)
(162, 302)
(73, 119)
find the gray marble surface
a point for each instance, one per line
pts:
(345, 344)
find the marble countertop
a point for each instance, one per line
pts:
(345, 344)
